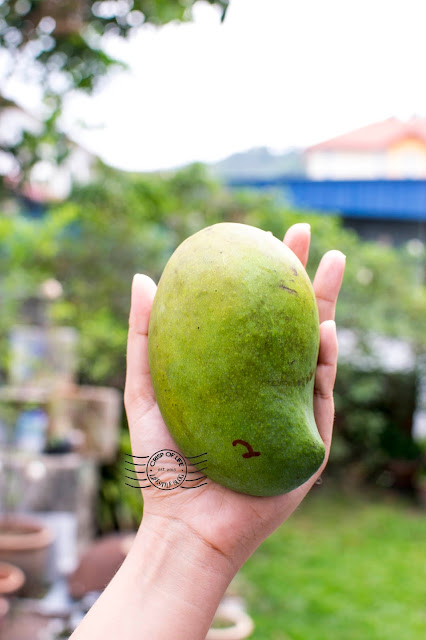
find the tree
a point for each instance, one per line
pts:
(122, 223)
(59, 42)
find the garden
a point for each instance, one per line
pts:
(350, 562)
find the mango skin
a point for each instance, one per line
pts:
(233, 345)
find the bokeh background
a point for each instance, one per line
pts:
(126, 126)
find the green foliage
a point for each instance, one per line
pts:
(60, 45)
(122, 223)
(119, 505)
(373, 422)
(343, 567)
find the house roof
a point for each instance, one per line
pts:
(375, 137)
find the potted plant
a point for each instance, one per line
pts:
(4, 610)
(24, 541)
(231, 621)
(11, 579)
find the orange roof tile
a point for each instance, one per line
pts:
(375, 137)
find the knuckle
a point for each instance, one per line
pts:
(323, 394)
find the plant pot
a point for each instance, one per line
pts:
(99, 564)
(4, 610)
(27, 543)
(237, 624)
(11, 579)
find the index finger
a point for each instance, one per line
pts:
(138, 388)
(327, 283)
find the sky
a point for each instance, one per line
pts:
(276, 73)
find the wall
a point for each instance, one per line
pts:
(404, 159)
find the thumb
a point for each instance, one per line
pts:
(138, 393)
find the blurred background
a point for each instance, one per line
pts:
(127, 125)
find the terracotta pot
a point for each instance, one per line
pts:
(11, 579)
(239, 624)
(27, 543)
(99, 564)
(4, 610)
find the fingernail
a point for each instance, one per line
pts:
(138, 276)
(336, 251)
(306, 225)
(341, 253)
(137, 318)
(132, 286)
(135, 279)
(330, 322)
(146, 283)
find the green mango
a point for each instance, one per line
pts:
(233, 345)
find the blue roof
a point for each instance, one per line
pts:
(383, 199)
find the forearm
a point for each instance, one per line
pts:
(169, 586)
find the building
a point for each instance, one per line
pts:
(374, 178)
(390, 150)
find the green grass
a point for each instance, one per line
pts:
(342, 568)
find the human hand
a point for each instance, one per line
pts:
(191, 543)
(232, 523)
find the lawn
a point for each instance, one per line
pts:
(344, 567)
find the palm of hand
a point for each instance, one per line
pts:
(230, 522)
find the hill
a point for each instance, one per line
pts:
(259, 162)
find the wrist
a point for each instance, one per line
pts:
(169, 585)
(178, 571)
(162, 535)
